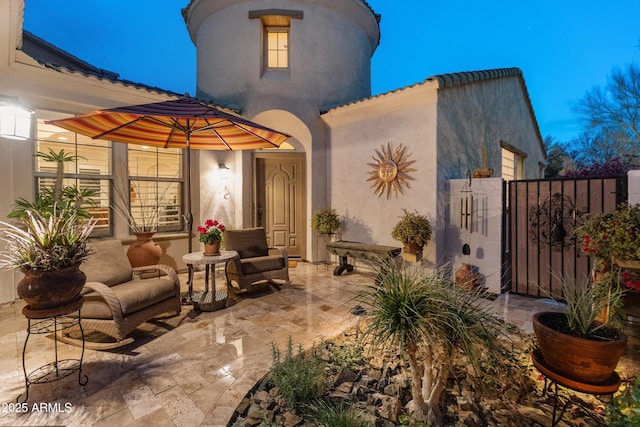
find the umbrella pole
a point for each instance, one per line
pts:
(187, 297)
(189, 217)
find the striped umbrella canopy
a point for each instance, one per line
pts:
(180, 123)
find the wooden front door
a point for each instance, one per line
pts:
(279, 200)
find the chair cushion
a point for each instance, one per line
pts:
(261, 264)
(108, 264)
(249, 242)
(133, 296)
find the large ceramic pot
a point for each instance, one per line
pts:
(590, 361)
(144, 251)
(42, 290)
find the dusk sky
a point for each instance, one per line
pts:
(564, 47)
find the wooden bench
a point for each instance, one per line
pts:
(344, 249)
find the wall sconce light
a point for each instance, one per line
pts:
(15, 119)
(224, 176)
(224, 171)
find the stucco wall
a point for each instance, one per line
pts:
(486, 112)
(634, 187)
(330, 54)
(357, 131)
(481, 230)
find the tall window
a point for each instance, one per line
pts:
(512, 165)
(90, 171)
(155, 187)
(277, 47)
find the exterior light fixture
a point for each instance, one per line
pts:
(15, 119)
(224, 171)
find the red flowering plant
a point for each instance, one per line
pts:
(211, 231)
(613, 239)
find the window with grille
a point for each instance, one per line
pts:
(89, 171)
(155, 187)
(512, 165)
(277, 47)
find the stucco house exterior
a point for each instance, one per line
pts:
(301, 67)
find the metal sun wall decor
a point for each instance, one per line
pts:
(390, 171)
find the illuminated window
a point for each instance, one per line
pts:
(277, 47)
(512, 165)
(89, 172)
(155, 187)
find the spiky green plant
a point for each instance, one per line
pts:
(49, 241)
(299, 378)
(432, 321)
(66, 200)
(322, 413)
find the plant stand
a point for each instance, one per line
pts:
(553, 380)
(53, 321)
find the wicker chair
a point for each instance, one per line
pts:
(257, 262)
(118, 298)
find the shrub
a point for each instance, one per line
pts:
(298, 378)
(324, 414)
(624, 408)
(412, 228)
(350, 355)
(325, 221)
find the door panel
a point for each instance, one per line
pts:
(280, 201)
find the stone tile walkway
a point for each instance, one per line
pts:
(192, 369)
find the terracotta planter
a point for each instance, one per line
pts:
(411, 252)
(466, 278)
(144, 251)
(411, 248)
(212, 249)
(482, 173)
(42, 290)
(580, 359)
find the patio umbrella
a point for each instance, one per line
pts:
(180, 123)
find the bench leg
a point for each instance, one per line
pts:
(344, 265)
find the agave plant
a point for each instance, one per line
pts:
(50, 241)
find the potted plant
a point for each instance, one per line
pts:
(578, 342)
(414, 231)
(144, 224)
(211, 236)
(612, 237)
(613, 240)
(49, 251)
(325, 221)
(484, 171)
(66, 199)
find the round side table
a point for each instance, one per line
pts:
(207, 300)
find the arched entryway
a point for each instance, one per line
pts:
(279, 201)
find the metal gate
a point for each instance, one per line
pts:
(541, 218)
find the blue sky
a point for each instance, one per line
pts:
(564, 47)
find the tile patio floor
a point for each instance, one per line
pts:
(193, 369)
